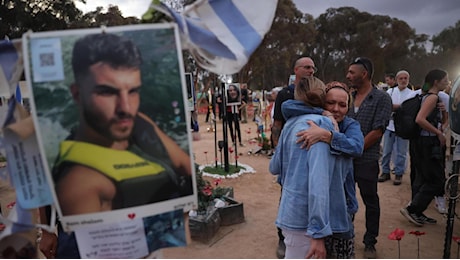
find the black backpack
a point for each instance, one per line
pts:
(404, 118)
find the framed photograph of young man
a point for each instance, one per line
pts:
(110, 111)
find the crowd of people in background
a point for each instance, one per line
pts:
(353, 121)
(384, 153)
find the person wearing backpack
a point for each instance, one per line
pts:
(427, 150)
(440, 200)
(398, 94)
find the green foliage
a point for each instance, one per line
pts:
(448, 39)
(20, 16)
(265, 142)
(221, 171)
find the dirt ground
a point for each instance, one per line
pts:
(257, 237)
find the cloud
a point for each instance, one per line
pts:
(425, 16)
(127, 7)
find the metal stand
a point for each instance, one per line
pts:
(214, 119)
(451, 188)
(221, 145)
(224, 126)
(235, 119)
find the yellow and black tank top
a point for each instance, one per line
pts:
(142, 174)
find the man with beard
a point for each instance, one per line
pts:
(372, 109)
(113, 139)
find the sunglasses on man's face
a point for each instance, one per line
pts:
(360, 61)
(309, 67)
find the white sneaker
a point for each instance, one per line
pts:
(440, 204)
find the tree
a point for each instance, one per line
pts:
(446, 48)
(271, 64)
(345, 33)
(19, 16)
(113, 17)
(448, 39)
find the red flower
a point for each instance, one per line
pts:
(456, 239)
(230, 149)
(207, 190)
(236, 157)
(217, 182)
(417, 233)
(397, 234)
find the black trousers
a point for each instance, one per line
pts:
(413, 173)
(430, 176)
(366, 175)
(232, 120)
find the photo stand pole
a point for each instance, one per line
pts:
(221, 145)
(235, 119)
(224, 126)
(214, 119)
(451, 188)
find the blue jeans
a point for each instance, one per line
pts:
(390, 139)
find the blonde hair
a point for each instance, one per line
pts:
(311, 91)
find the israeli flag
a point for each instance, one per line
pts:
(223, 34)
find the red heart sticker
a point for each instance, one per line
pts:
(131, 215)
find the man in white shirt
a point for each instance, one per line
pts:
(398, 94)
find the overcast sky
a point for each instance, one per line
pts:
(425, 16)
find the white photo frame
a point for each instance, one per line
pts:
(233, 97)
(163, 101)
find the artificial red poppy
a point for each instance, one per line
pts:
(456, 239)
(397, 234)
(207, 190)
(417, 233)
(217, 182)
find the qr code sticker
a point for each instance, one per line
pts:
(46, 59)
